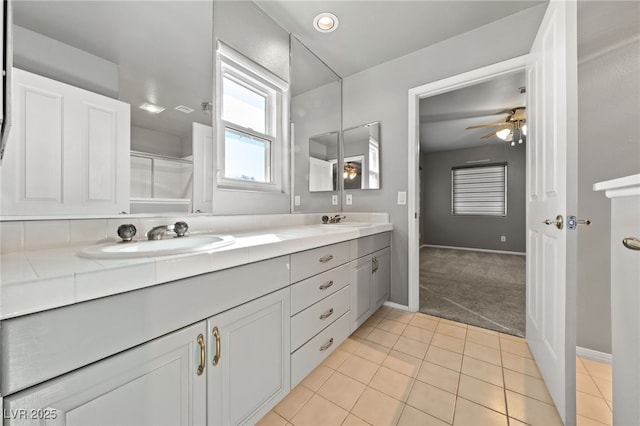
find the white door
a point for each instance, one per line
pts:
(551, 192)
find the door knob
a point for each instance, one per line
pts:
(559, 222)
(631, 243)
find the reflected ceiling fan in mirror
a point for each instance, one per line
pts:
(513, 128)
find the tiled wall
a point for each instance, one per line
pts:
(21, 235)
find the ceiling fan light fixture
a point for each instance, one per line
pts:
(524, 129)
(503, 134)
(325, 22)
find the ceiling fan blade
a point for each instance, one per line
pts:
(488, 135)
(481, 126)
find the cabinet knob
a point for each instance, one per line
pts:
(631, 243)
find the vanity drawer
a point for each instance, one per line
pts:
(367, 245)
(312, 320)
(312, 353)
(311, 262)
(307, 292)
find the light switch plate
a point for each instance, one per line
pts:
(349, 199)
(296, 200)
(402, 197)
(334, 200)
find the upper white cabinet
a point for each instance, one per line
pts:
(248, 360)
(68, 151)
(157, 383)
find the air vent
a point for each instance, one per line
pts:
(184, 109)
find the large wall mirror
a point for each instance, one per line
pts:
(362, 157)
(316, 115)
(157, 53)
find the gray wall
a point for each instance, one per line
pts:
(381, 94)
(313, 113)
(609, 147)
(440, 227)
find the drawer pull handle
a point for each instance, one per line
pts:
(631, 243)
(326, 285)
(326, 345)
(325, 259)
(203, 354)
(217, 356)
(327, 314)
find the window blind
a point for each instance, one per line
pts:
(479, 191)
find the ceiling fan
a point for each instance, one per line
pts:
(507, 130)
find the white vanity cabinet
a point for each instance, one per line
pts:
(68, 150)
(156, 383)
(248, 360)
(371, 279)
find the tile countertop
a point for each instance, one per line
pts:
(37, 280)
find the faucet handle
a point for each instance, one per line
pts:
(126, 232)
(180, 228)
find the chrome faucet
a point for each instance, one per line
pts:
(157, 232)
(336, 219)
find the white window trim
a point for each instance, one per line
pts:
(243, 71)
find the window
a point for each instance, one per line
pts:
(252, 124)
(479, 191)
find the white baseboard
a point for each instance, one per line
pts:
(517, 253)
(396, 306)
(593, 355)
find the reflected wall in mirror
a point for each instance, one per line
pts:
(316, 115)
(323, 159)
(362, 157)
(154, 52)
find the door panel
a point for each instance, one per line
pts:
(551, 189)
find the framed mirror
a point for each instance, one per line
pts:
(155, 56)
(362, 157)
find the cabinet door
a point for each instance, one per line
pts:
(361, 292)
(253, 364)
(381, 277)
(156, 383)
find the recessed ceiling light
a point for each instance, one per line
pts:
(325, 22)
(156, 109)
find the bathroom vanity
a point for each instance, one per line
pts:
(219, 345)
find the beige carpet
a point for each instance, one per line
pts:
(482, 289)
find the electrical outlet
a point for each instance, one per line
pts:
(402, 198)
(334, 200)
(349, 199)
(296, 200)
(503, 238)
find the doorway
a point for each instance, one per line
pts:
(473, 207)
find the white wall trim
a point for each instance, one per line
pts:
(593, 355)
(415, 95)
(516, 253)
(396, 305)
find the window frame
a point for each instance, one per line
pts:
(478, 214)
(234, 66)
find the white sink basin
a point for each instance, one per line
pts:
(347, 224)
(144, 248)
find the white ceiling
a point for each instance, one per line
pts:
(443, 118)
(374, 32)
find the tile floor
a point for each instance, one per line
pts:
(593, 396)
(401, 368)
